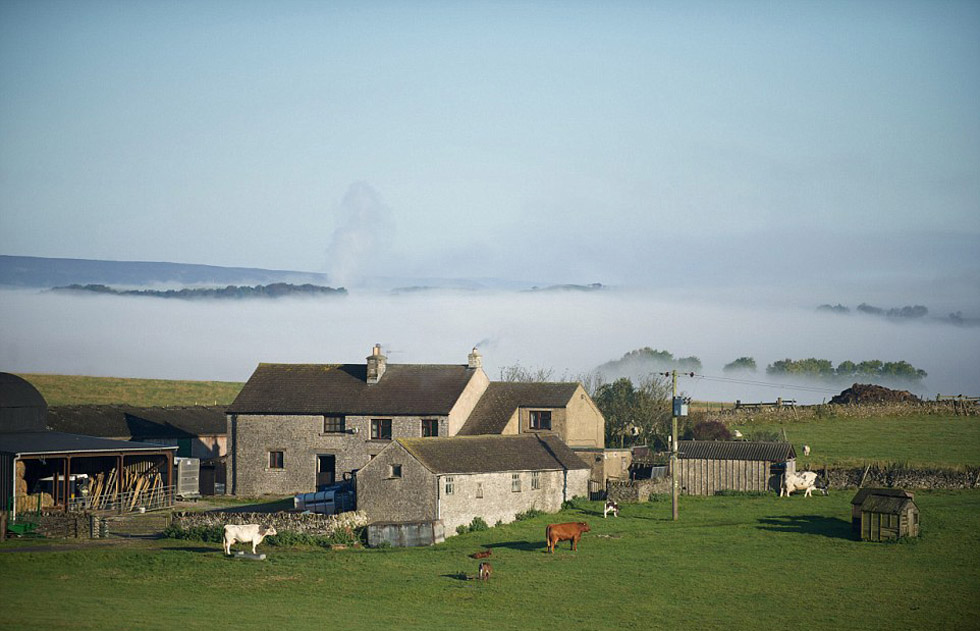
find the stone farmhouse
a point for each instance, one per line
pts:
(456, 479)
(295, 427)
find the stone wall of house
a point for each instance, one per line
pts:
(500, 502)
(585, 425)
(384, 497)
(467, 400)
(302, 439)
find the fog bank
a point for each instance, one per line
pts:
(569, 332)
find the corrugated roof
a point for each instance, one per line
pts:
(17, 392)
(30, 443)
(502, 398)
(487, 454)
(129, 421)
(735, 450)
(863, 493)
(342, 389)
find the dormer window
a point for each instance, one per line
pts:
(540, 419)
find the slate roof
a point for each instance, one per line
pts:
(29, 443)
(502, 398)
(734, 450)
(342, 389)
(129, 421)
(488, 454)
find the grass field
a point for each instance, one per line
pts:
(729, 563)
(78, 390)
(919, 440)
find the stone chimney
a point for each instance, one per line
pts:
(376, 364)
(475, 359)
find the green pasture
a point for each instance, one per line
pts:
(741, 562)
(926, 440)
(79, 390)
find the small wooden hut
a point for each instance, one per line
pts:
(885, 517)
(863, 494)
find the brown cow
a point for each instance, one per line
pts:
(571, 531)
(482, 554)
(485, 571)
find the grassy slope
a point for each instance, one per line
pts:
(729, 563)
(919, 440)
(77, 390)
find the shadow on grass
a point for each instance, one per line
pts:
(809, 525)
(524, 546)
(459, 576)
(198, 549)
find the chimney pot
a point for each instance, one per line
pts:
(376, 365)
(475, 360)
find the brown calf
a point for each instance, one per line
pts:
(485, 571)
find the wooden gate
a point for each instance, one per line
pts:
(597, 490)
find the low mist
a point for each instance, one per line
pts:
(570, 333)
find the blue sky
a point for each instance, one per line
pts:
(621, 142)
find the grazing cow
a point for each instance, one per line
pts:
(806, 450)
(246, 533)
(571, 531)
(611, 507)
(485, 571)
(806, 482)
(482, 554)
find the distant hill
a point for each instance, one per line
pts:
(45, 273)
(81, 390)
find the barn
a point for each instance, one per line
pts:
(705, 467)
(44, 468)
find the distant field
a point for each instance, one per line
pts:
(77, 390)
(730, 563)
(919, 440)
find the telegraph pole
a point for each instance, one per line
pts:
(673, 446)
(677, 409)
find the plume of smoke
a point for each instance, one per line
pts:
(364, 232)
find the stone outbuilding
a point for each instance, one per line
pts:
(454, 480)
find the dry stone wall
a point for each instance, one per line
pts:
(299, 523)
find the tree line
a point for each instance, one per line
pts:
(274, 290)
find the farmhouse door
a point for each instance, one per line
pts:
(326, 465)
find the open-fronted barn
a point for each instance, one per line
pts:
(705, 467)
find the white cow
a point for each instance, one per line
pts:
(246, 533)
(806, 482)
(806, 450)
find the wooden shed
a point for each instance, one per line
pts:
(863, 494)
(705, 467)
(885, 517)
